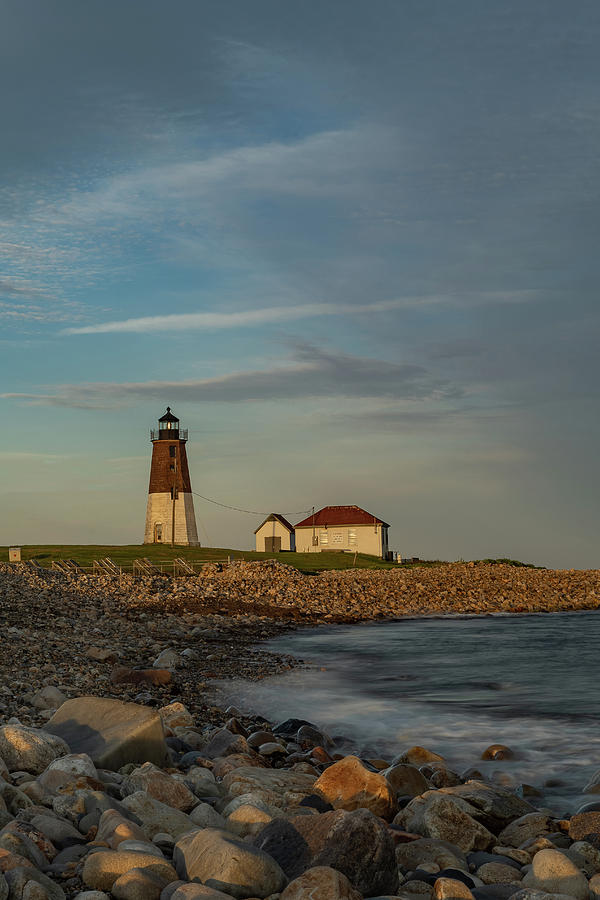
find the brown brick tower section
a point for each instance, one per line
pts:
(162, 475)
(170, 517)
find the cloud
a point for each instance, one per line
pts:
(215, 321)
(311, 373)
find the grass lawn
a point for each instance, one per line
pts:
(124, 555)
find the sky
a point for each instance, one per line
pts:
(352, 244)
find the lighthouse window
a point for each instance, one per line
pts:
(172, 450)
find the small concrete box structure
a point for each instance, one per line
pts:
(14, 554)
(275, 534)
(346, 528)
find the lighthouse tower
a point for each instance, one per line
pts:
(170, 515)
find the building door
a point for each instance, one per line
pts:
(158, 533)
(272, 544)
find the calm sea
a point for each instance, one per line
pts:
(454, 685)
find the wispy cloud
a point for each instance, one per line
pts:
(215, 321)
(311, 373)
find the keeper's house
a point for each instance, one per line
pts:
(275, 534)
(347, 528)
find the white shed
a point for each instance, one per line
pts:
(275, 534)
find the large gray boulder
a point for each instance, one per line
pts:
(161, 786)
(25, 749)
(111, 732)
(356, 843)
(495, 806)
(19, 879)
(427, 850)
(223, 862)
(446, 818)
(157, 817)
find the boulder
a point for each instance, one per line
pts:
(277, 787)
(111, 732)
(167, 659)
(223, 743)
(356, 843)
(348, 784)
(417, 756)
(77, 764)
(48, 697)
(497, 751)
(426, 850)
(221, 861)
(247, 819)
(532, 894)
(125, 675)
(114, 828)
(446, 818)
(494, 806)
(525, 827)
(583, 824)
(451, 889)
(321, 883)
(175, 715)
(204, 816)
(102, 868)
(20, 879)
(498, 873)
(61, 833)
(406, 780)
(196, 892)
(156, 817)
(140, 884)
(25, 749)
(555, 873)
(202, 782)
(161, 786)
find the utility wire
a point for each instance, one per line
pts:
(251, 512)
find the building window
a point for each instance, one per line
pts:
(338, 537)
(323, 538)
(172, 450)
(352, 537)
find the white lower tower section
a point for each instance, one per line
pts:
(159, 520)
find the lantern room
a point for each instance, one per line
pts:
(168, 428)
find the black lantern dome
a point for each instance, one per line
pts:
(168, 428)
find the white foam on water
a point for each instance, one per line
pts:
(452, 686)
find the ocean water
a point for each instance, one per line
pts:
(454, 685)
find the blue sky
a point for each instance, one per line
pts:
(353, 245)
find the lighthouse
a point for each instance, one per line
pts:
(170, 517)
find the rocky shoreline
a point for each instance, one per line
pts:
(155, 639)
(114, 799)
(119, 777)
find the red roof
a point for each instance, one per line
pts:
(279, 518)
(341, 515)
